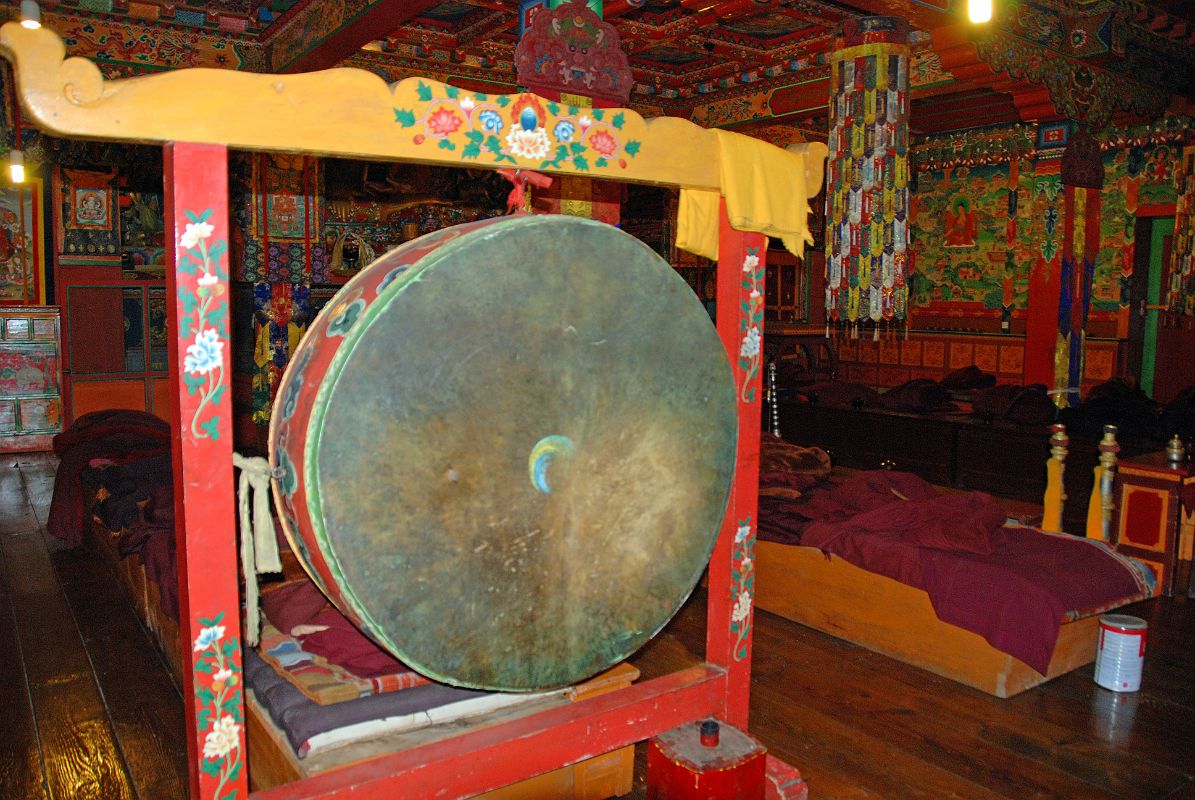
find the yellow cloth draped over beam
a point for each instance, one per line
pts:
(757, 198)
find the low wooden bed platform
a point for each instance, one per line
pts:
(884, 615)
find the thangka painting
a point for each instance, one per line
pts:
(22, 254)
(86, 226)
(960, 232)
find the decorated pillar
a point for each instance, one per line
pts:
(867, 175)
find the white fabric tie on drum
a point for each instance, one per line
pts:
(259, 544)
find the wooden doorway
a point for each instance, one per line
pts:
(1157, 341)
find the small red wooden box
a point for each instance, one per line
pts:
(681, 767)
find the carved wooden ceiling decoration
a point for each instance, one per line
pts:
(750, 64)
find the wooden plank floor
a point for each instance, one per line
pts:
(89, 710)
(89, 707)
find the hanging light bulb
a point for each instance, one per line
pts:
(30, 14)
(16, 166)
(979, 11)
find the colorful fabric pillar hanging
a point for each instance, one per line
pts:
(1180, 293)
(867, 175)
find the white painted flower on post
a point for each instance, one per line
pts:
(750, 346)
(205, 354)
(222, 739)
(194, 233)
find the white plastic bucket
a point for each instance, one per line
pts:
(1121, 652)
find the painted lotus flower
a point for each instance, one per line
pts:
(207, 636)
(750, 263)
(467, 103)
(491, 120)
(742, 533)
(205, 354)
(194, 232)
(207, 279)
(603, 143)
(223, 738)
(750, 346)
(564, 131)
(742, 606)
(532, 144)
(443, 121)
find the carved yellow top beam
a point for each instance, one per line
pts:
(353, 113)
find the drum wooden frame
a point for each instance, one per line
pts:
(196, 115)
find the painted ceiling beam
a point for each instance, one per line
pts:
(375, 22)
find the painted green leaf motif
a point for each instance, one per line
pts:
(203, 718)
(572, 111)
(598, 114)
(210, 768)
(601, 162)
(472, 150)
(212, 426)
(452, 92)
(475, 136)
(479, 97)
(217, 317)
(493, 145)
(446, 144)
(189, 266)
(194, 382)
(618, 120)
(228, 649)
(217, 618)
(235, 771)
(423, 91)
(187, 299)
(580, 163)
(201, 217)
(216, 395)
(577, 148)
(503, 100)
(404, 117)
(553, 109)
(230, 796)
(204, 695)
(217, 249)
(632, 148)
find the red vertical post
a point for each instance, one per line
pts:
(740, 301)
(196, 192)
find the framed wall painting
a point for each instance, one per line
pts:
(86, 222)
(22, 244)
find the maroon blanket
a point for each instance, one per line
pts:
(118, 436)
(1012, 586)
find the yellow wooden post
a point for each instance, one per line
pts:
(1099, 509)
(1055, 495)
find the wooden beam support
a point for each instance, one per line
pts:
(378, 19)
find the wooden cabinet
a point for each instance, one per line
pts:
(1151, 495)
(30, 379)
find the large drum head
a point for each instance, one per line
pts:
(507, 451)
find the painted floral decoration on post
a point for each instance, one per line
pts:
(742, 577)
(205, 317)
(750, 324)
(218, 704)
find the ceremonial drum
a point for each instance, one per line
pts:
(505, 449)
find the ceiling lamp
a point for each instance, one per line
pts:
(30, 14)
(16, 166)
(979, 11)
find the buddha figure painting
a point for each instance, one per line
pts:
(959, 224)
